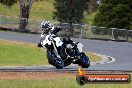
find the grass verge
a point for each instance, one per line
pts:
(40, 10)
(17, 53)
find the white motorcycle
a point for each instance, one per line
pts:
(62, 52)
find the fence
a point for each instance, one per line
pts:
(79, 30)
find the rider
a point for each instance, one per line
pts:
(48, 28)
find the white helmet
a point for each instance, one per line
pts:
(46, 24)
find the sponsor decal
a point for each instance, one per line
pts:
(82, 78)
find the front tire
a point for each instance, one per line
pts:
(53, 60)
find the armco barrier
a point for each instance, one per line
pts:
(79, 30)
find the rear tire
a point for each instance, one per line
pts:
(84, 61)
(53, 60)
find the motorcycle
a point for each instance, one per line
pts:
(61, 54)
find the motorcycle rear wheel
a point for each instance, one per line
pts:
(84, 61)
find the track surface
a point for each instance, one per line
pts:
(121, 51)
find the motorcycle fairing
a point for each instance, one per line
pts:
(58, 41)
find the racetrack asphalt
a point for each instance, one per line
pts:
(121, 51)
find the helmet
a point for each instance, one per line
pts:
(46, 24)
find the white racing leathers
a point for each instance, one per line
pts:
(50, 38)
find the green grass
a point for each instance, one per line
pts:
(61, 82)
(40, 10)
(93, 57)
(13, 53)
(16, 53)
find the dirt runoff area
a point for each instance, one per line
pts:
(35, 75)
(48, 75)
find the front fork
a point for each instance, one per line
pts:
(58, 56)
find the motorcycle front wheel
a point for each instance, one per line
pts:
(54, 60)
